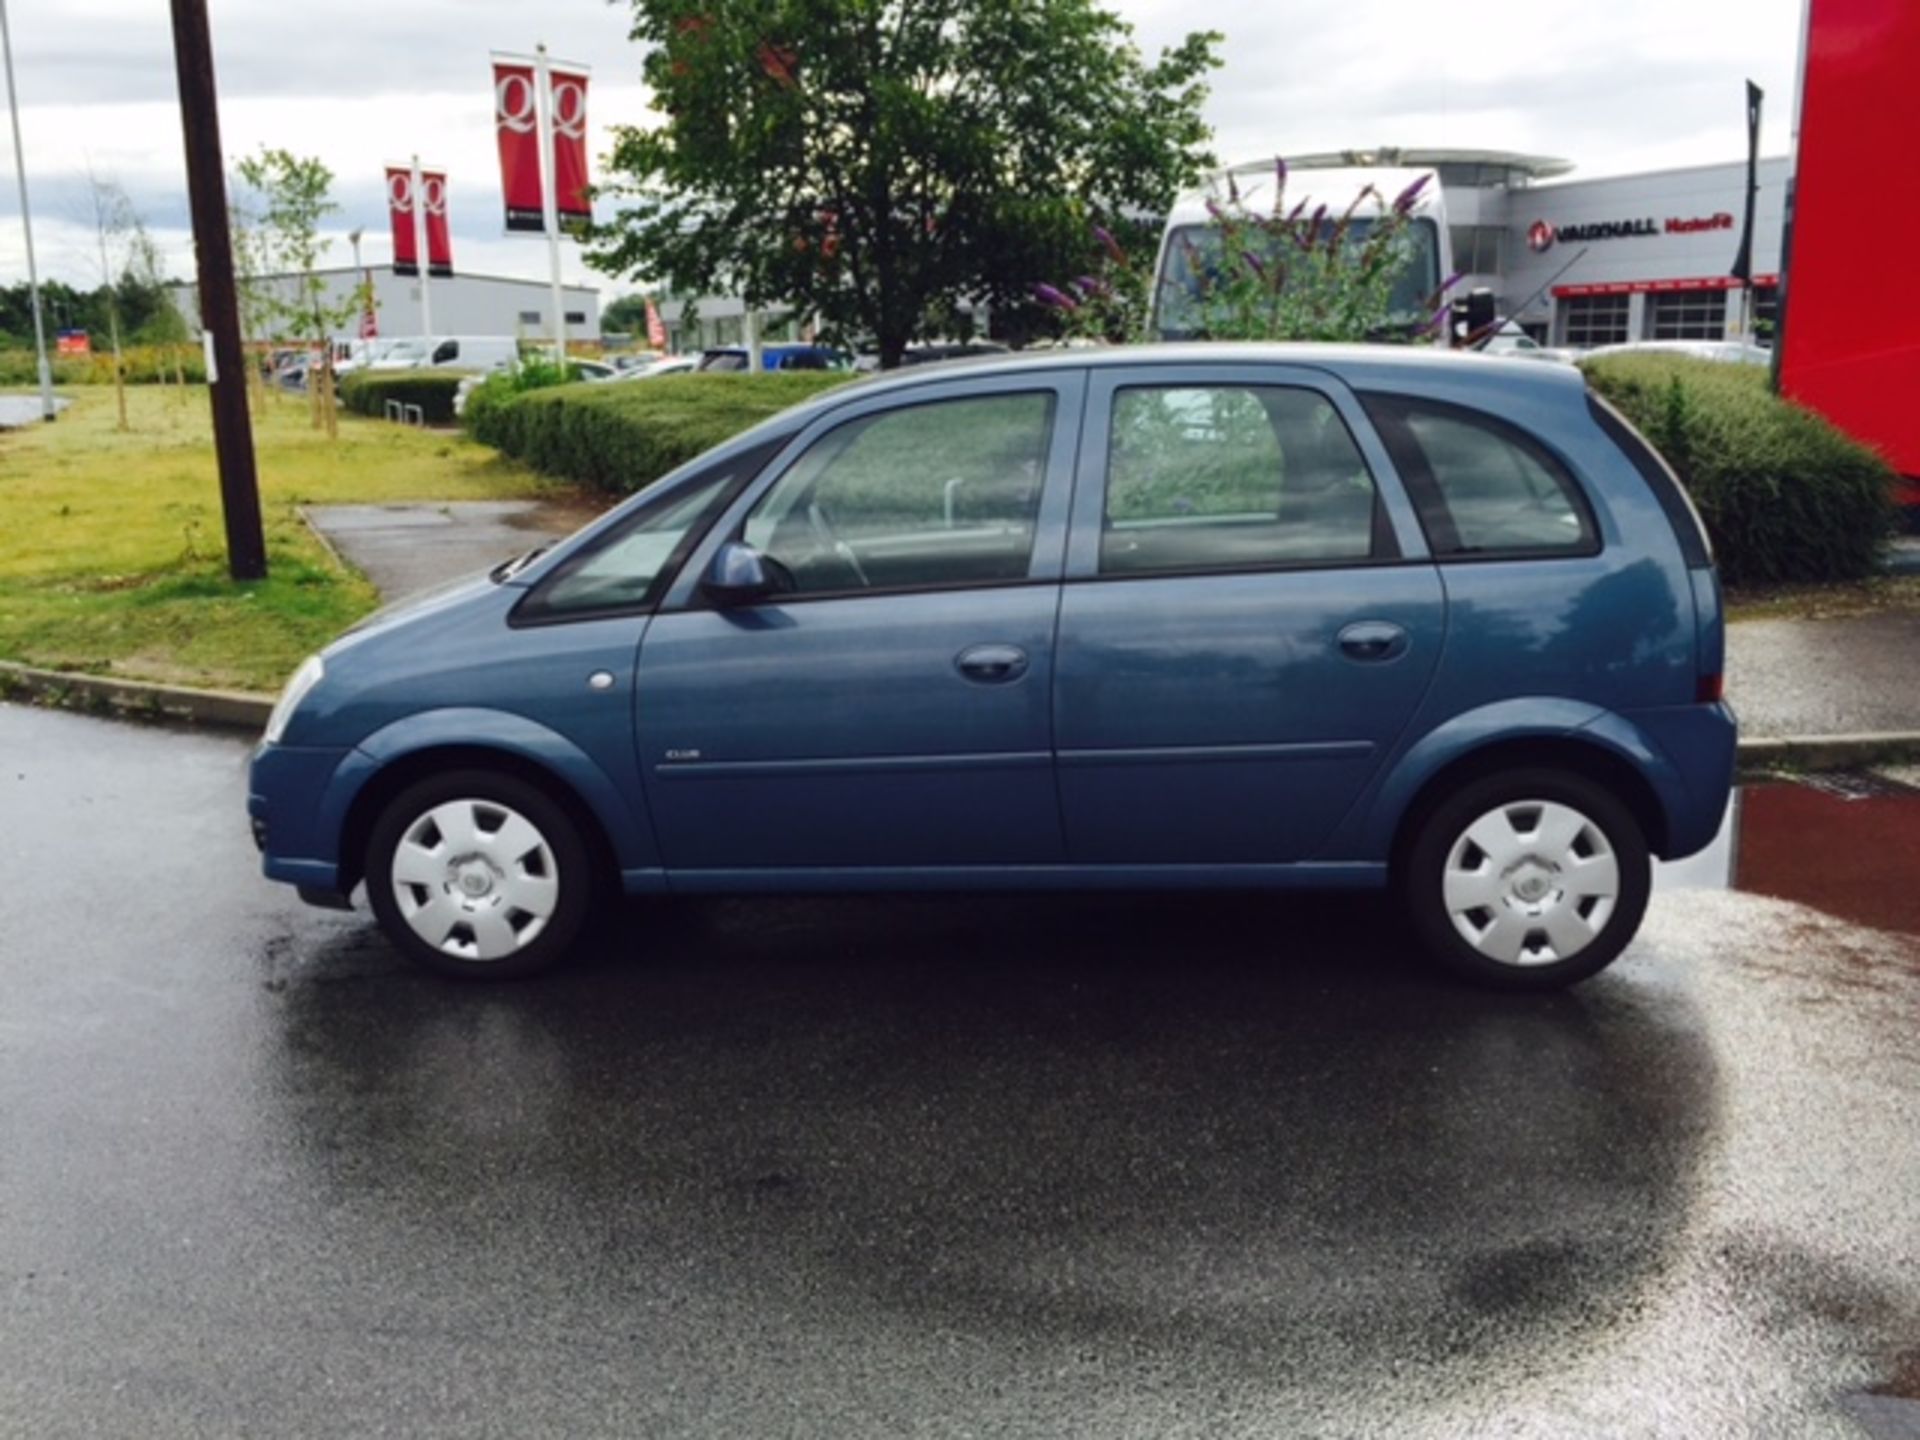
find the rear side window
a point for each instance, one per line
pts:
(1235, 477)
(1665, 485)
(1483, 488)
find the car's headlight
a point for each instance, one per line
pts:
(304, 679)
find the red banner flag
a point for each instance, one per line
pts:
(516, 123)
(433, 195)
(656, 327)
(406, 256)
(570, 148)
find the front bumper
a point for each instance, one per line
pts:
(294, 825)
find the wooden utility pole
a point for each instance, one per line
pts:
(219, 300)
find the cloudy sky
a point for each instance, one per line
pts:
(1615, 86)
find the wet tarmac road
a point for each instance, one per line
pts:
(1037, 1167)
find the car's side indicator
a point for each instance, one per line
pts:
(600, 680)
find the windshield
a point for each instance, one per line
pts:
(406, 350)
(1178, 307)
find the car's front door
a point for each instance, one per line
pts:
(889, 710)
(1248, 621)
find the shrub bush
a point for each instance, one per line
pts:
(145, 365)
(623, 435)
(1786, 497)
(367, 393)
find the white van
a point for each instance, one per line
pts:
(1190, 232)
(449, 352)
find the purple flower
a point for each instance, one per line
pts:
(1214, 210)
(1253, 263)
(1110, 245)
(1052, 298)
(1403, 202)
(1279, 174)
(1090, 285)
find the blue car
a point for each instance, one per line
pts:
(1175, 617)
(775, 357)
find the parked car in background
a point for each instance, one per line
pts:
(1728, 352)
(628, 360)
(669, 365)
(593, 370)
(1514, 343)
(933, 354)
(776, 357)
(1187, 617)
(448, 352)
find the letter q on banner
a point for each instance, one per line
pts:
(570, 148)
(406, 257)
(433, 186)
(516, 124)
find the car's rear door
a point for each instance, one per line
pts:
(891, 711)
(1248, 621)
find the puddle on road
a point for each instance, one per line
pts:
(1847, 844)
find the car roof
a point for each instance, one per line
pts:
(1362, 366)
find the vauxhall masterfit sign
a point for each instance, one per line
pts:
(1541, 235)
(516, 115)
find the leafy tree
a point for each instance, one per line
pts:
(626, 316)
(876, 163)
(283, 235)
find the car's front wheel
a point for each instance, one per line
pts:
(479, 875)
(1529, 879)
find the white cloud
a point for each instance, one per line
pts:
(1633, 84)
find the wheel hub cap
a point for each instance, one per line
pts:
(475, 879)
(1531, 882)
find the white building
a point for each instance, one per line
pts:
(1597, 262)
(462, 304)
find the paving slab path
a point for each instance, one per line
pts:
(404, 549)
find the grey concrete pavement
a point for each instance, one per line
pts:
(1100, 1166)
(1826, 677)
(18, 410)
(407, 548)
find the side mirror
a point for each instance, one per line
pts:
(737, 575)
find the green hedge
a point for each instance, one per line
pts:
(367, 393)
(144, 365)
(1786, 497)
(623, 434)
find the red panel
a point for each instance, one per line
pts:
(1851, 341)
(400, 197)
(1637, 287)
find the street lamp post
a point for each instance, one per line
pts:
(26, 222)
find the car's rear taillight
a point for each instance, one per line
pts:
(1710, 689)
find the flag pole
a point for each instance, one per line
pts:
(26, 222)
(549, 204)
(420, 251)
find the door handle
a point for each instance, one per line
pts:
(991, 664)
(1373, 640)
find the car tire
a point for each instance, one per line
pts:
(1527, 879)
(479, 875)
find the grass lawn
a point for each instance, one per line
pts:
(114, 557)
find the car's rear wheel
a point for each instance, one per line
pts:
(1529, 879)
(479, 875)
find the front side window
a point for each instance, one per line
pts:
(449, 350)
(944, 493)
(1234, 477)
(1482, 488)
(632, 566)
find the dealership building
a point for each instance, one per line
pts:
(462, 304)
(1599, 262)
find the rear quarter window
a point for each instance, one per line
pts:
(1483, 488)
(1688, 528)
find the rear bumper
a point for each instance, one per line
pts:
(1697, 744)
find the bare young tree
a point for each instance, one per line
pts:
(114, 223)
